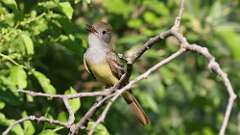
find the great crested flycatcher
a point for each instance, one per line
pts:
(104, 64)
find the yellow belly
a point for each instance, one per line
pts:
(103, 73)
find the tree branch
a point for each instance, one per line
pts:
(34, 118)
(70, 96)
(71, 117)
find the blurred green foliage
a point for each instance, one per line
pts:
(42, 43)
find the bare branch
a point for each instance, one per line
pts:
(101, 118)
(34, 118)
(83, 122)
(70, 96)
(71, 117)
(177, 22)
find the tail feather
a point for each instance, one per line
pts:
(136, 108)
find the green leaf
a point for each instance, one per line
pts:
(3, 120)
(135, 23)
(40, 26)
(28, 126)
(2, 104)
(77, 1)
(44, 82)
(157, 6)
(74, 103)
(17, 129)
(18, 77)
(100, 129)
(208, 131)
(151, 18)
(48, 132)
(66, 8)
(10, 3)
(27, 41)
(232, 39)
(216, 14)
(62, 116)
(47, 4)
(118, 7)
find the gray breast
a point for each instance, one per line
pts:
(95, 55)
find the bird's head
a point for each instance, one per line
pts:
(100, 30)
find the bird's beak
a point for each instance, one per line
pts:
(91, 29)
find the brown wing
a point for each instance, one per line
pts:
(115, 64)
(118, 70)
(86, 65)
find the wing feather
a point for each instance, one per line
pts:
(115, 64)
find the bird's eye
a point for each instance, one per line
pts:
(104, 32)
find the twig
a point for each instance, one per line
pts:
(177, 22)
(71, 117)
(70, 96)
(101, 118)
(82, 123)
(10, 59)
(34, 118)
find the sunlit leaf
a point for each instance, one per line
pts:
(151, 18)
(18, 77)
(74, 103)
(157, 6)
(216, 13)
(118, 7)
(208, 131)
(3, 120)
(232, 39)
(48, 132)
(28, 126)
(48, 4)
(2, 104)
(77, 1)
(40, 26)
(27, 43)
(100, 129)
(17, 129)
(66, 8)
(44, 82)
(62, 116)
(135, 23)
(10, 3)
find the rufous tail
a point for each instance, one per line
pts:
(136, 108)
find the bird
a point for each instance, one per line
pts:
(104, 64)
